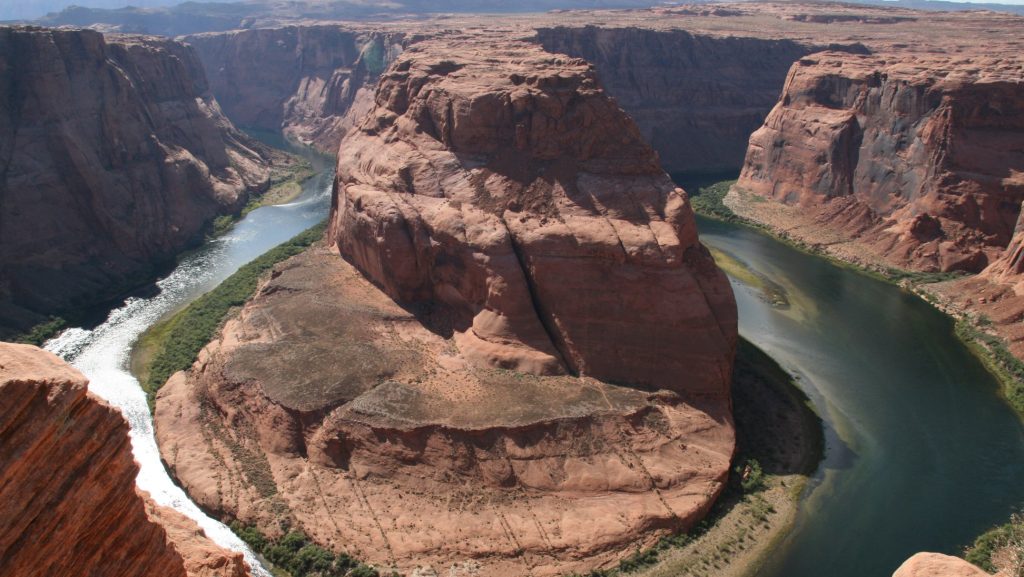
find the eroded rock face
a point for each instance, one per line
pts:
(917, 160)
(524, 199)
(116, 157)
(450, 394)
(696, 98)
(302, 80)
(67, 487)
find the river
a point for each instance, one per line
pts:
(103, 353)
(921, 453)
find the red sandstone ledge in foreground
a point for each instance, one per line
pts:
(937, 565)
(521, 366)
(67, 486)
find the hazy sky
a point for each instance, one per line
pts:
(27, 9)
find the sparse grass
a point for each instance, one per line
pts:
(173, 344)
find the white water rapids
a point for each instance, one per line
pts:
(103, 353)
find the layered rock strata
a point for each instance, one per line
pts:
(521, 365)
(696, 98)
(67, 493)
(911, 162)
(311, 81)
(115, 157)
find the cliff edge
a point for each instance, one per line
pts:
(68, 496)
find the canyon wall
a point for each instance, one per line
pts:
(115, 156)
(68, 495)
(914, 161)
(301, 80)
(696, 98)
(527, 354)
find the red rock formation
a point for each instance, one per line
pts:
(67, 485)
(916, 160)
(517, 230)
(937, 565)
(525, 200)
(115, 158)
(302, 80)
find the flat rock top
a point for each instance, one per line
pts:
(379, 361)
(918, 68)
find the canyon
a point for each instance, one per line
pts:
(68, 493)
(487, 384)
(115, 158)
(498, 234)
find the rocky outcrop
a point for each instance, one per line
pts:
(302, 80)
(521, 365)
(937, 565)
(524, 199)
(695, 97)
(114, 158)
(912, 161)
(67, 488)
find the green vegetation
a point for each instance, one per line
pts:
(1007, 540)
(173, 344)
(42, 332)
(300, 557)
(285, 185)
(992, 351)
(707, 198)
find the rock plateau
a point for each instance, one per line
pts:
(68, 496)
(515, 353)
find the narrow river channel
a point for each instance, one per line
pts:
(103, 353)
(922, 454)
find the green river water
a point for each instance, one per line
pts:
(921, 452)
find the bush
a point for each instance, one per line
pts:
(300, 557)
(751, 476)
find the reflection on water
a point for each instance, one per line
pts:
(102, 353)
(922, 454)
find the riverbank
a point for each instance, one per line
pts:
(286, 184)
(723, 201)
(173, 343)
(779, 445)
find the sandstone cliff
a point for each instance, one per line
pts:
(302, 80)
(68, 495)
(513, 256)
(913, 161)
(696, 98)
(115, 157)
